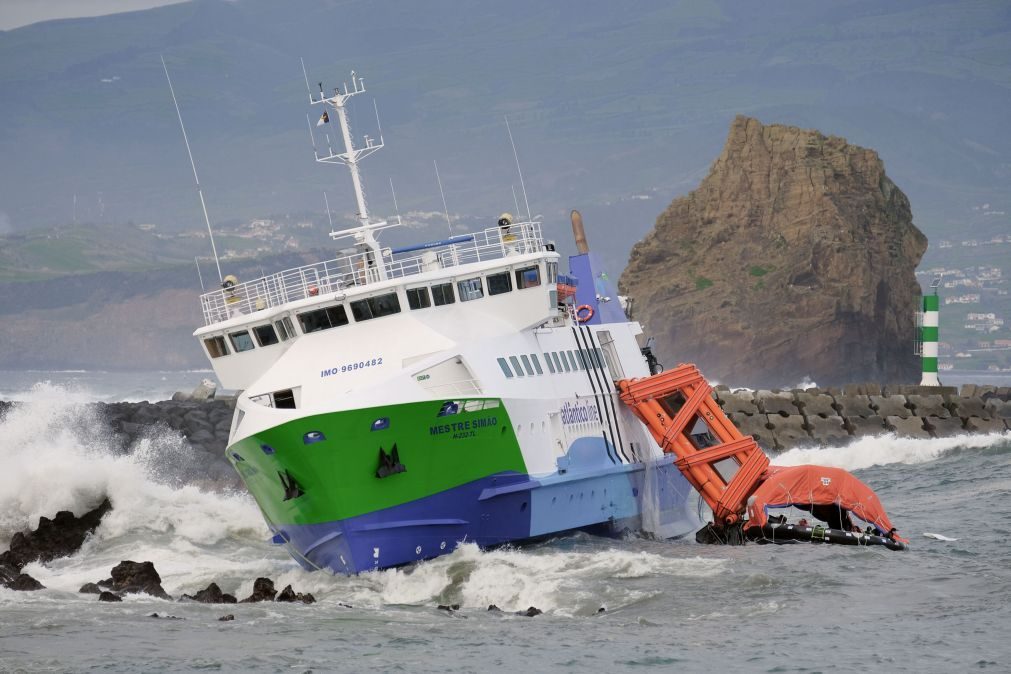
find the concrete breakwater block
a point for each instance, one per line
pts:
(907, 427)
(890, 406)
(866, 426)
(998, 409)
(738, 402)
(756, 426)
(928, 406)
(790, 431)
(855, 406)
(776, 402)
(830, 431)
(974, 425)
(945, 428)
(817, 404)
(969, 407)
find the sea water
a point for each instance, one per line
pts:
(943, 606)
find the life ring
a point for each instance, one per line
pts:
(313, 291)
(584, 312)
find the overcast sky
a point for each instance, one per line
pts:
(15, 13)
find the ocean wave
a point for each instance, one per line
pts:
(888, 449)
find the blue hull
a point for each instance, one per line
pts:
(503, 508)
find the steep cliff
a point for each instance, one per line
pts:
(794, 257)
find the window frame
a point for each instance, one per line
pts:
(238, 334)
(466, 296)
(520, 283)
(440, 299)
(221, 346)
(499, 276)
(268, 326)
(426, 294)
(337, 309)
(372, 303)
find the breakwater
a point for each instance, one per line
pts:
(835, 416)
(779, 419)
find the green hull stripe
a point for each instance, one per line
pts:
(338, 474)
(931, 302)
(928, 334)
(929, 364)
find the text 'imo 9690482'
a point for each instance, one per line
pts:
(397, 401)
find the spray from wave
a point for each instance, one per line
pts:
(888, 449)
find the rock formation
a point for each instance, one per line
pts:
(794, 257)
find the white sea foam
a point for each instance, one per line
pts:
(57, 456)
(566, 582)
(887, 449)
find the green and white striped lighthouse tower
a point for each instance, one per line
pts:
(928, 337)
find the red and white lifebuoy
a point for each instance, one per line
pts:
(584, 312)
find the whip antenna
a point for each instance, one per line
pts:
(194, 166)
(523, 187)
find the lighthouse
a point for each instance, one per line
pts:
(928, 336)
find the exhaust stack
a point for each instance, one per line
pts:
(579, 233)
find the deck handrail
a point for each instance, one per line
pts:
(357, 270)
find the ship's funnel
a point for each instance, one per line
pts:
(579, 233)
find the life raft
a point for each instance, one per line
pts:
(584, 312)
(793, 533)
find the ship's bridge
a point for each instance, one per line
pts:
(350, 272)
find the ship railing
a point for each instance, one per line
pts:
(360, 269)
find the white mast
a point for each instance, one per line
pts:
(364, 234)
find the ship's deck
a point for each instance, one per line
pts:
(361, 269)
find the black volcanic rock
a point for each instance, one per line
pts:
(212, 594)
(136, 577)
(58, 537)
(26, 583)
(90, 588)
(263, 590)
(289, 595)
(109, 596)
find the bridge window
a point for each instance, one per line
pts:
(537, 363)
(216, 347)
(547, 359)
(323, 319)
(265, 335)
(505, 368)
(470, 289)
(375, 307)
(418, 298)
(241, 341)
(552, 268)
(560, 364)
(528, 277)
(499, 283)
(443, 294)
(572, 360)
(285, 329)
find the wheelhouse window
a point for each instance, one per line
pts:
(528, 277)
(216, 347)
(526, 365)
(560, 364)
(537, 363)
(443, 294)
(499, 283)
(552, 268)
(470, 289)
(375, 307)
(418, 298)
(323, 319)
(285, 329)
(241, 340)
(265, 335)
